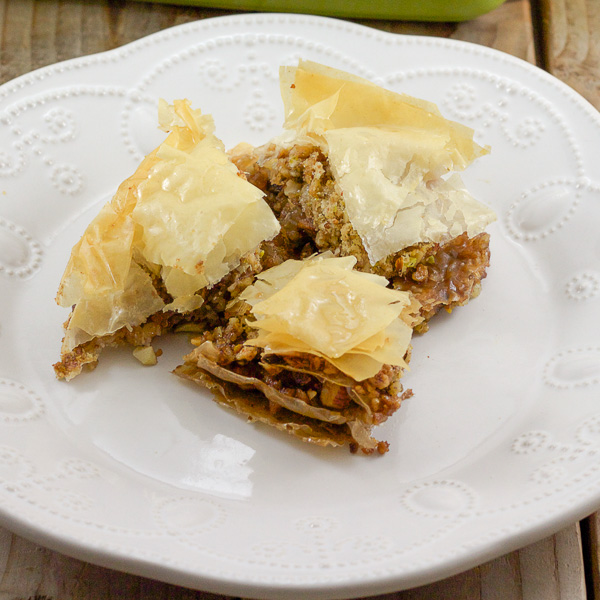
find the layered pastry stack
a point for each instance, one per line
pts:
(303, 266)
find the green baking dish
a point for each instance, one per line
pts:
(398, 10)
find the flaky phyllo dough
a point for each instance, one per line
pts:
(304, 265)
(320, 354)
(363, 171)
(175, 229)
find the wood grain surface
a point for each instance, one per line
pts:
(35, 33)
(571, 34)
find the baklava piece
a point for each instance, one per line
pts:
(365, 172)
(178, 240)
(317, 352)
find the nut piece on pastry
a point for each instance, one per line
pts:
(375, 174)
(320, 354)
(182, 222)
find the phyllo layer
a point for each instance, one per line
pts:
(389, 155)
(179, 224)
(320, 355)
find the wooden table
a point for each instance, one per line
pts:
(561, 36)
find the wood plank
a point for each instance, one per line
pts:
(507, 28)
(571, 34)
(569, 558)
(593, 548)
(539, 571)
(43, 33)
(501, 578)
(15, 43)
(34, 34)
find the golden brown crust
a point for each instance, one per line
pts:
(212, 313)
(299, 393)
(300, 189)
(252, 405)
(86, 355)
(302, 394)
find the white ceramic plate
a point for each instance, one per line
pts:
(135, 469)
